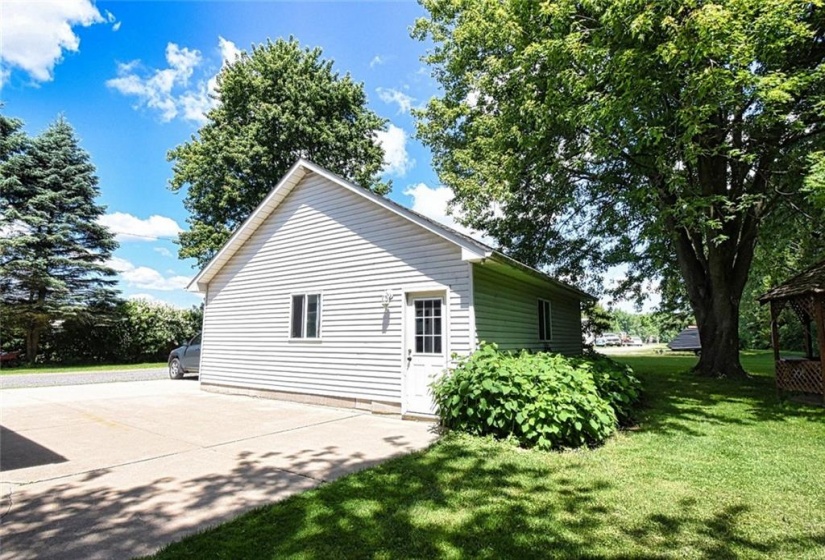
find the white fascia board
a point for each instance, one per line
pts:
(248, 227)
(474, 256)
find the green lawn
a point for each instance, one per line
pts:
(715, 469)
(78, 369)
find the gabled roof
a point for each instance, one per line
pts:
(808, 282)
(472, 250)
(688, 339)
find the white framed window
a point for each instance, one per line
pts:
(428, 331)
(545, 321)
(305, 318)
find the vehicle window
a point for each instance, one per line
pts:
(196, 340)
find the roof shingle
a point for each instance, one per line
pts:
(808, 282)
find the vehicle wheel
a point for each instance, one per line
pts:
(175, 369)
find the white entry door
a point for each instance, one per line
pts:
(426, 349)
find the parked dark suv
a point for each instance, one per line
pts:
(185, 359)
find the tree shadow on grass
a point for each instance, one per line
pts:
(717, 536)
(465, 499)
(682, 402)
(103, 514)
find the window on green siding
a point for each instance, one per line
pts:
(545, 321)
(306, 316)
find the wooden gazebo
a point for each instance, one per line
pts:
(805, 295)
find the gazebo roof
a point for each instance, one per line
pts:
(811, 281)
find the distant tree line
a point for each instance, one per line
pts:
(663, 326)
(133, 331)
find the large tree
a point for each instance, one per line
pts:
(658, 133)
(53, 252)
(277, 103)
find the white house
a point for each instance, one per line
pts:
(331, 294)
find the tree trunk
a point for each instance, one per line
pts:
(715, 277)
(32, 342)
(718, 323)
(35, 328)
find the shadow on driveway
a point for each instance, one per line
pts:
(18, 452)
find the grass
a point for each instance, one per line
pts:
(715, 469)
(25, 369)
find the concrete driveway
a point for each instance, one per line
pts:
(118, 470)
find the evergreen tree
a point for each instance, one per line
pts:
(53, 252)
(12, 140)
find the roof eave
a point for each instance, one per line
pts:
(509, 261)
(773, 295)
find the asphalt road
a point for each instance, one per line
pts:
(12, 381)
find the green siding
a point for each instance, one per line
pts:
(506, 311)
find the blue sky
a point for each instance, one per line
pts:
(133, 77)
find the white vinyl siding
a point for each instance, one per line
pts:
(507, 313)
(324, 239)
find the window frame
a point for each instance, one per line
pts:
(305, 316)
(442, 317)
(544, 312)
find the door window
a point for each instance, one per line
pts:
(428, 333)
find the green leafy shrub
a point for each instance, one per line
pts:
(615, 383)
(541, 400)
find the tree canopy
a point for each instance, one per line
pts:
(662, 134)
(53, 252)
(277, 103)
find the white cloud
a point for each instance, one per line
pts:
(35, 34)
(110, 17)
(155, 90)
(229, 51)
(146, 278)
(389, 96)
(377, 60)
(131, 228)
(147, 297)
(394, 143)
(434, 202)
(154, 300)
(472, 98)
(164, 251)
(168, 91)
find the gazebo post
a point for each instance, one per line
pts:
(775, 330)
(819, 310)
(775, 343)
